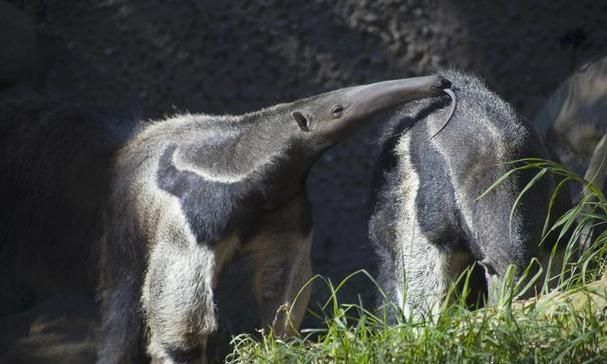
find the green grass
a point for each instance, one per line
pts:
(563, 325)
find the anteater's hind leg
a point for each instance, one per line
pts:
(120, 339)
(280, 274)
(281, 256)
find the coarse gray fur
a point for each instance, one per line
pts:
(427, 223)
(190, 191)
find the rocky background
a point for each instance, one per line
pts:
(151, 58)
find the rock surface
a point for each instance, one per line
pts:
(574, 118)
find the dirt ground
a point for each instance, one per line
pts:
(152, 58)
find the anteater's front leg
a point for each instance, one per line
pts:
(178, 299)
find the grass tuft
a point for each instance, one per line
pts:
(562, 325)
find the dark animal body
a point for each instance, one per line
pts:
(427, 223)
(190, 191)
(54, 165)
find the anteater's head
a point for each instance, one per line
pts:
(297, 133)
(326, 119)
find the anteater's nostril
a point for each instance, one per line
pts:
(445, 83)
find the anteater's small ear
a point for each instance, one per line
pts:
(301, 120)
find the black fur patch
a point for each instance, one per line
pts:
(185, 355)
(435, 205)
(214, 209)
(299, 223)
(207, 205)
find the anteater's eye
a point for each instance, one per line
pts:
(301, 120)
(336, 111)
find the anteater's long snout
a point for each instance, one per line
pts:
(376, 97)
(353, 107)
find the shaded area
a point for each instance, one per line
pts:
(61, 329)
